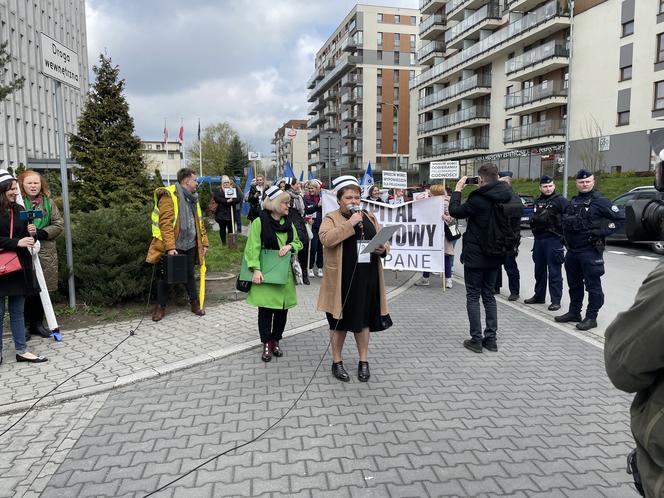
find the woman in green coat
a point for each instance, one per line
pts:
(273, 229)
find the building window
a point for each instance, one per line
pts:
(379, 144)
(625, 73)
(396, 77)
(397, 19)
(396, 93)
(379, 55)
(412, 41)
(661, 6)
(394, 146)
(659, 95)
(412, 58)
(380, 39)
(396, 58)
(660, 47)
(397, 40)
(380, 17)
(628, 28)
(411, 74)
(413, 19)
(623, 118)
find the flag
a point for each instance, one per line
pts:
(311, 175)
(301, 176)
(367, 180)
(165, 133)
(288, 170)
(247, 186)
(181, 134)
(199, 129)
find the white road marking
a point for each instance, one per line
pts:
(618, 252)
(649, 258)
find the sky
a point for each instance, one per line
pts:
(244, 62)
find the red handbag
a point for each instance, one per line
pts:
(9, 262)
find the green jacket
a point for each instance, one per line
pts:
(272, 296)
(634, 357)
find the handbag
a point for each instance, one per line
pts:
(9, 262)
(242, 285)
(452, 231)
(297, 270)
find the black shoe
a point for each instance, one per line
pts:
(587, 324)
(36, 359)
(513, 297)
(363, 371)
(568, 317)
(553, 307)
(339, 371)
(276, 350)
(305, 279)
(490, 343)
(36, 328)
(474, 346)
(534, 300)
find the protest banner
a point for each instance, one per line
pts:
(418, 244)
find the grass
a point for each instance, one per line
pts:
(220, 258)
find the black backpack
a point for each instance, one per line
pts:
(503, 232)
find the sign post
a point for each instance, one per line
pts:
(444, 170)
(61, 64)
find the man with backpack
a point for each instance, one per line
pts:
(488, 238)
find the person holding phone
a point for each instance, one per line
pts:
(37, 197)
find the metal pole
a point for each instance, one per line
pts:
(569, 98)
(65, 191)
(396, 107)
(200, 157)
(328, 164)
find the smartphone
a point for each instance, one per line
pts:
(31, 215)
(472, 180)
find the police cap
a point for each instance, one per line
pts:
(583, 173)
(502, 174)
(545, 179)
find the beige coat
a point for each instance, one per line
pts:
(333, 231)
(48, 252)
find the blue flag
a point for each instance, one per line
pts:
(288, 170)
(301, 176)
(311, 176)
(247, 186)
(367, 179)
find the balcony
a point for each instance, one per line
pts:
(343, 65)
(315, 107)
(534, 26)
(346, 150)
(352, 96)
(542, 131)
(313, 160)
(537, 98)
(350, 132)
(318, 118)
(330, 95)
(331, 110)
(351, 79)
(430, 6)
(521, 5)
(350, 115)
(350, 44)
(454, 9)
(487, 17)
(464, 146)
(470, 117)
(430, 51)
(475, 86)
(541, 60)
(432, 27)
(331, 126)
(314, 147)
(314, 134)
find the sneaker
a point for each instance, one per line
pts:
(513, 297)
(311, 273)
(474, 346)
(448, 283)
(490, 343)
(423, 282)
(320, 272)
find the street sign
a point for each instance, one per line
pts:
(443, 169)
(58, 62)
(254, 156)
(395, 179)
(604, 144)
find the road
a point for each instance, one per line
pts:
(626, 266)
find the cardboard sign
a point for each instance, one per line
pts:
(230, 193)
(395, 179)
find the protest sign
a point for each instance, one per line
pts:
(395, 179)
(230, 193)
(443, 169)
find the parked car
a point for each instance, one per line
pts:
(528, 202)
(622, 200)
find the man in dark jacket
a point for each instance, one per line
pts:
(633, 357)
(480, 269)
(228, 199)
(255, 196)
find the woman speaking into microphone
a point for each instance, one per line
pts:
(352, 292)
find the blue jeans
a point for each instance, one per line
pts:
(480, 282)
(16, 304)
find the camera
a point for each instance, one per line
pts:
(472, 180)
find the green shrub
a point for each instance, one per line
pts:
(109, 249)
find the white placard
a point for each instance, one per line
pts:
(443, 169)
(395, 179)
(604, 144)
(230, 193)
(58, 62)
(254, 156)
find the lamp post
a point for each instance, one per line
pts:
(569, 98)
(396, 108)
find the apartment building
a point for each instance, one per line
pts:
(165, 157)
(290, 144)
(359, 96)
(28, 127)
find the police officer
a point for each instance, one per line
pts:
(511, 268)
(586, 221)
(548, 252)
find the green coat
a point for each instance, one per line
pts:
(634, 358)
(272, 296)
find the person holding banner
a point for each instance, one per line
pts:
(228, 199)
(37, 197)
(313, 208)
(352, 292)
(273, 230)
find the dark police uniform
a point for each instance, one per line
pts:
(548, 251)
(587, 220)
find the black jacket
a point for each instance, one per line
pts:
(223, 212)
(477, 210)
(254, 198)
(312, 208)
(20, 283)
(547, 216)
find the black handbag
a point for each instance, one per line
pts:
(242, 285)
(452, 231)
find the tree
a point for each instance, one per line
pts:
(112, 170)
(590, 154)
(216, 142)
(237, 158)
(6, 90)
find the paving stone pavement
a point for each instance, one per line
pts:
(538, 418)
(179, 340)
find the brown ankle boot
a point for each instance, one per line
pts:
(267, 351)
(158, 313)
(276, 350)
(196, 309)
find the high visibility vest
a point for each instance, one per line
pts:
(171, 189)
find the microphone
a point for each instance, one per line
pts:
(354, 208)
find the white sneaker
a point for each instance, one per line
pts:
(320, 272)
(311, 272)
(423, 282)
(448, 283)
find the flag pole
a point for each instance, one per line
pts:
(200, 149)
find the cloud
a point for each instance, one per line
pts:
(242, 62)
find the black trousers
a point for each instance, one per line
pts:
(163, 287)
(34, 312)
(271, 323)
(223, 226)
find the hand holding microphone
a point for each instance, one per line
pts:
(356, 218)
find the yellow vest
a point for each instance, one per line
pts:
(171, 189)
